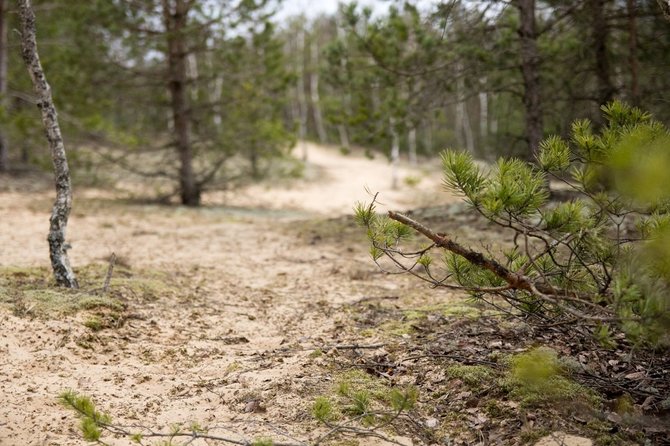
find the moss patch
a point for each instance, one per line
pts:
(537, 377)
(32, 291)
(472, 375)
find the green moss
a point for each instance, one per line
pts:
(32, 291)
(472, 375)
(355, 381)
(537, 378)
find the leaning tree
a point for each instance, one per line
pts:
(60, 213)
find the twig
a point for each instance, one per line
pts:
(108, 276)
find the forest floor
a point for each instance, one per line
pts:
(239, 314)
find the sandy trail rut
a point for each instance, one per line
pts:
(232, 348)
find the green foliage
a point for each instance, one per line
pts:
(322, 409)
(92, 421)
(364, 399)
(608, 247)
(262, 442)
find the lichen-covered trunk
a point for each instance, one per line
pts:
(530, 71)
(175, 22)
(4, 147)
(61, 210)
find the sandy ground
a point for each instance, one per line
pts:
(232, 349)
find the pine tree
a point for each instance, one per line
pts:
(601, 258)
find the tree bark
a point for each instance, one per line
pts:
(302, 100)
(600, 30)
(463, 127)
(411, 142)
(4, 146)
(175, 21)
(395, 153)
(314, 92)
(60, 213)
(483, 119)
(632, 52)
(530, 66)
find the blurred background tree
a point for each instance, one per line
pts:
(192, 94)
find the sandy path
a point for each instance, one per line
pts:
(335, 182)
(261, 293)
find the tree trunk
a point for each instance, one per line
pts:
(428, 134)
(344, 137)
(483, 120)
(60, 214)
(314, 92)
(411, 142)
(530, 65)
(395, 154)
(175, 22)
(302, 100)
(632, 52)
(4, 147)
(600, 35)
(464, 128)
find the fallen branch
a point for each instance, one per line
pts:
(515, 280)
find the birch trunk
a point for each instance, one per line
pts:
(462, 116)
(411, 142)
(4, 147)
(395, 154)
(60, 213)
(314, 92)
(302, 100)
(483, 121)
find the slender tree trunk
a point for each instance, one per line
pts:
(411, 142)
(302, 100)
(483, 119)
(344, 137)
(60, 214)
(464, 128)
(342, 127)
(314, 92)
(428, 134)
(632, 52)
(530, 71)
(395, 153)
(4, 146)
(175, 22)
(600, 30)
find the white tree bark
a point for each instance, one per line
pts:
(60, 214)
(395, 154)
(462, 116)
(411, 141)
(483, 119)
(314, 91)
(302, 100)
